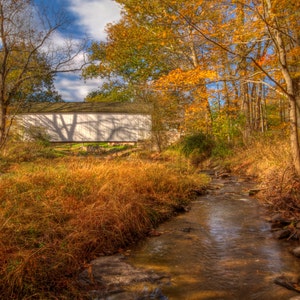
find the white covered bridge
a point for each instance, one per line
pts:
(88, 122)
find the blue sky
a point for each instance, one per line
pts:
(89, 18)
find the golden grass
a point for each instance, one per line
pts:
(263, 156)
(269, 161)
(56, 215)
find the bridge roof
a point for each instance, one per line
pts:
(87, 107)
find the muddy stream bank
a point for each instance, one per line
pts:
(222, 248)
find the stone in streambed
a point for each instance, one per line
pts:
(288, 282)
(107, 277)
(253, 192)
(279, 219)
(114, 270)
(282, 234)
(296, 252)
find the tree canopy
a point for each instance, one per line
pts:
(226, 67)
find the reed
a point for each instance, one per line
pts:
(269, 161)
(56, 215)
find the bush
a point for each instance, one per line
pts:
(21, 151)
(37, 134)
(197, 147)
(221, 150)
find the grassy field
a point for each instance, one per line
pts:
(58, 213)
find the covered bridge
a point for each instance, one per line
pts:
(88, 122)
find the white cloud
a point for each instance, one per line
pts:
(94, 15)
(74, 89)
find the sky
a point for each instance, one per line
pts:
(89, 18)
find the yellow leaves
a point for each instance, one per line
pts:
(174, 17)
(196, 117)
(295, 52)
(181, 78)
(163, 36)
(196, 107)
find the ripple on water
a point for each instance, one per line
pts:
(220, 249)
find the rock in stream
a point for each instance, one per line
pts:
(109, 277)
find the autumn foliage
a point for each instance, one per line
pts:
(235, 63)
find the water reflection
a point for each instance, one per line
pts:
(221, 249)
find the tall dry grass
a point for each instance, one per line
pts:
(269, 160)
(56, 215)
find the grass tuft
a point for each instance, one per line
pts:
(56, 215)
(269, 161)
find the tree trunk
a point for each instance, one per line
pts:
(295, 149)
(292, 97)
(3, 113)
(292, 86)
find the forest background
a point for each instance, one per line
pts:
(226, 68)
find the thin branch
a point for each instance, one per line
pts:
(193, 25)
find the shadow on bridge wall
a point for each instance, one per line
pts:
(66, 127)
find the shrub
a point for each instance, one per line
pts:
(221, 150)
(25, 151)
(37, 134)
(197, 147)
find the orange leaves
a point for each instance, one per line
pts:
(196, 116)
(181, 78)
(293, 59)
(192, 82)
(266, 58)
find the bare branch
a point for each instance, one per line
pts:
(30, 54)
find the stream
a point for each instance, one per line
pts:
(222, 248)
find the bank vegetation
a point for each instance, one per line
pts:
(269, 161)
(60, 211)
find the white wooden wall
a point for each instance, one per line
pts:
(90, 127)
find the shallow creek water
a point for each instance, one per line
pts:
(221, 249)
